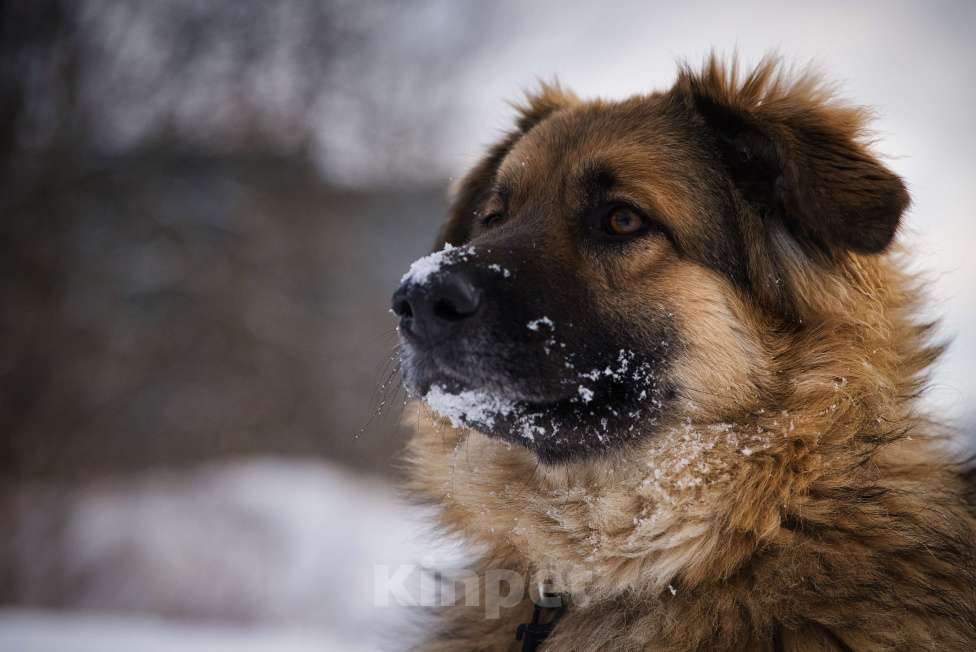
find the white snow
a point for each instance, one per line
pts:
(478, 408)
(527, 427)
(543, 321)
(495, 267)
(36, 630)
(423, 268)
(468, 407)
(586, 394)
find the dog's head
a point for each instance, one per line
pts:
(610, 266)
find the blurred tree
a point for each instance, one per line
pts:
(179, 276)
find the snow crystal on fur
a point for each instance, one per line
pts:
(423, 268)
(468, 407)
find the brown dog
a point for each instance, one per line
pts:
(675, 359)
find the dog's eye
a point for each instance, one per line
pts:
(622, 221)
(492, 218)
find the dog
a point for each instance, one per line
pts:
(669, 360)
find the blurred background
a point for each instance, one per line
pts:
(204, 207)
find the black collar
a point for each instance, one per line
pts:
(533, 633)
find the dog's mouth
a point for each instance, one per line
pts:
(589, 407)
(470, 394)
(431, 371)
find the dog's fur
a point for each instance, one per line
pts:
(790, 494)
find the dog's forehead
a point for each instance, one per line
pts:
(642, 152)
(634, 142)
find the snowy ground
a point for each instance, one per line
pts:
(50, 631)
(255, 555)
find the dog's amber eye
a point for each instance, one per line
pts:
(491, 219)
(623, 221)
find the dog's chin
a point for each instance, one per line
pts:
(495, 407)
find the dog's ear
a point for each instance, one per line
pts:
(793, 151)
(476, 184)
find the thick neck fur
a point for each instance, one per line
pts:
(746, 526)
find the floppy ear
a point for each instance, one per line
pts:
(476, 184)
(793, 151)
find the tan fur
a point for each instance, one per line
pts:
(799, 499)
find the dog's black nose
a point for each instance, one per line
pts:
(435, 308)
